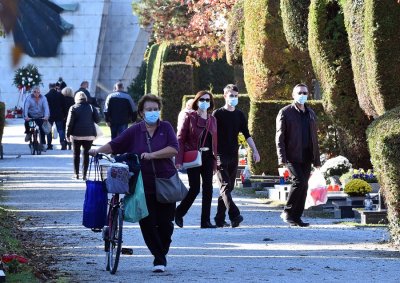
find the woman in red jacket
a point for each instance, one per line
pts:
(199, 132)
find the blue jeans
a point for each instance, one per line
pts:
(116, 130)
(60, 130)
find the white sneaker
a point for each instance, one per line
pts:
(158, 268)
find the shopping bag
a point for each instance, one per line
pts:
(46, 127)
(95, 204)
(317, 190)
(135, 205)
(54, 131)
(191, 159)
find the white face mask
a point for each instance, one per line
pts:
(233, 101)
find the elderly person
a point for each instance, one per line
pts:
(36, 108)
(81, 130)
(157, 227)
(68, 102)
(199, 131)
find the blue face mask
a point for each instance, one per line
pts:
(203, 105)
(151, 117)
(233, 101)
(301, 99)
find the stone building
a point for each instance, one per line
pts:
(106, 44)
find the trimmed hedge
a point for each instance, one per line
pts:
(382, 53)
(159, 59)
(384, 145)
(330, 56)
(176, 80)
(270, 68)
(294, 18)
(234, 37)
(2, 119)
(150, 66)
(262, 126)
(137, 87)
(354, 21)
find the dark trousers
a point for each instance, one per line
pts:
(227, 175)
(116, 130)
(297, 196)
(60, 130)
(86, 144)
(206, 173)
(157, 228)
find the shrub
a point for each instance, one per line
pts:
(357, 187)
(270, 68)
(384, 144)
(234, 34)
(150, 66)
(137, 86)
(176, 80)
(330, 56)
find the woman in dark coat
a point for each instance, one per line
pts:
(81, 130)
(68, 102)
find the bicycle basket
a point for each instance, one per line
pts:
(132, 160)
(117, 181)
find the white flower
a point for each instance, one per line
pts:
(37, 76)
(20, 74)
(23, 78)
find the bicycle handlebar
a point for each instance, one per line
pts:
(105, 156)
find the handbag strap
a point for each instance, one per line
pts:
(206, 131)
(148, 144)
(96, 168)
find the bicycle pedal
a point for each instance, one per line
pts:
(127, 251)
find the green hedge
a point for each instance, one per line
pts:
(234, 38)
(384, 144)
(294, 18)
(150, 66)
(2, 119)
(354, 21)
(137, 87)
(330, 56)
(382, 53)
(262, 126)
(271, 69)
(176, 80)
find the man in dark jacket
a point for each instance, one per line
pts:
(56, 106)
(297, 148)
(84, 88)
(119, 110)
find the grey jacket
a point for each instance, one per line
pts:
(81, 119)
(288, 135)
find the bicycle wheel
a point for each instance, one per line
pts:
(31, 148)
(115, 240)
(106, 235)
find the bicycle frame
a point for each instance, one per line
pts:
(34, 143)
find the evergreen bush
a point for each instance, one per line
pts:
(234, 37)
(176, 80)
(137, 87)
(357, 188)
(384, 145)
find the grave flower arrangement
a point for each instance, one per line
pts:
(27, 77)
(336, 166)
(368, 176)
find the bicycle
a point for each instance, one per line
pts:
(34, 132)
(112, 234)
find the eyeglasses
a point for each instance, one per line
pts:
(303, 93)
(204, 99)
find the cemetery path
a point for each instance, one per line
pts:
(264, 249)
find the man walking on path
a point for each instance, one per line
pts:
(230, 121)
(297, 147)
(119, 110)
(57, 108)
(84, 88)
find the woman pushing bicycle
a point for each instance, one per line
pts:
(157, 227)
(36, 108)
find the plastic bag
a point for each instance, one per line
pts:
(317, 191)
(46, 127)
(54, 130)
(135, 205)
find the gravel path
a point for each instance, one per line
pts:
(263, 249)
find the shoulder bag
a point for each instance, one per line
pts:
(168, 190)
(192, 158)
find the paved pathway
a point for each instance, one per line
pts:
(263, 249)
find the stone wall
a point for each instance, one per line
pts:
(105, 45)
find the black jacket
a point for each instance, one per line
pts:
(68, 102)
(81, 119)
(119, 108)
(56, 105)
(289, 135)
